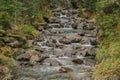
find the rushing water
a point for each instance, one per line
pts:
(63, 56)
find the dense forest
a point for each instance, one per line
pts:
(24, 20)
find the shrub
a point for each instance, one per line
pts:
(108, 6)
(5, 56)
(27, 29)
(90, 4)
(1, 27)
(4, 20)
(6, 61)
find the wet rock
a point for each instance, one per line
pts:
(52, 62)
(26, 55)
(56, 14)
(64, 40)
(93, 41)
(39, 49)
(54, 20)
(43, 57)
(79, 25)
(54, 25)
(81, 33)
(88, 27)
(74, 25)
(76, 40)
(54, 41)
(59, 46)
(50, 43)
(46, 31)
(85, 41)
(65, 70)
(89, 61)
(69, 51)
(34, 59)
(53, 31)
(90, 51)
(77, 61)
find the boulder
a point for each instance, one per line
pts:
(93, 41)
(54, 25)
(54, 20)
(77, 61)
(76, 40)
(64, 40)
(85, 41)
(27, 55)
(88, 27)
(51, 62)
(81, 33)
(91, 51)
(50, 43)
(89, 61)
(34, 59)
(65, 70)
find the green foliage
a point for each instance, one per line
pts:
(1, 27)
(108, 6)
(89, 4)
(4, 20)
(27, 29)
(108, 55)
(21, 11)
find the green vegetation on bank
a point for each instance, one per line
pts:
(108, 55)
